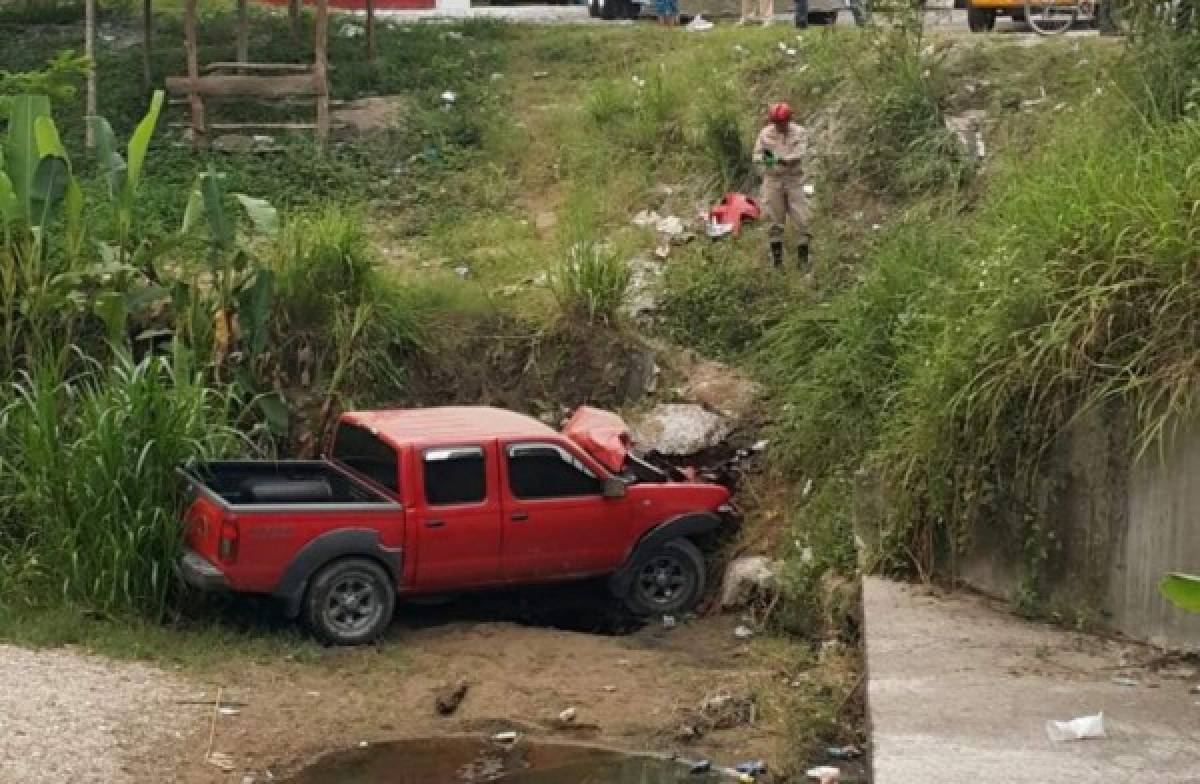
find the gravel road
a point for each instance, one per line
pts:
(70, 717)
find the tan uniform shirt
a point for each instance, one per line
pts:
(789, 149)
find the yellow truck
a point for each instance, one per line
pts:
(981, 14)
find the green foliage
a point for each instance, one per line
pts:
(592, 283)
(721, 303)
(1183, 591)
(40, 12)
(91, 498)
(58, 80)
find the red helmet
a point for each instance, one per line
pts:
(780, 113)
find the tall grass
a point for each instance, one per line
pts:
(87, 474)
(591, 283)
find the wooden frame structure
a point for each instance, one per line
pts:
(246, 78)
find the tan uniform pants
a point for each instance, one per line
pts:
(784, 199)
(758, 11)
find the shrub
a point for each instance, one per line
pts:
(88, 479)
(591, 283)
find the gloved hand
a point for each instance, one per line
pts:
(769, 159)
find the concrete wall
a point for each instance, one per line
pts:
(1114, 528)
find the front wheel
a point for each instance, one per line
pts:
(349, 602)
(667, 579)
(981, 20)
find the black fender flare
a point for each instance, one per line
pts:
(327, 547)
(682, 527)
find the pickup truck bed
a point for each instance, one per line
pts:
(234, 483)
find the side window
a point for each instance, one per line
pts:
(454, 476)
(363, 451)
(548, 471)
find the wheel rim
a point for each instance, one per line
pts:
(353, 605)
(663, 580)
(1053, 17)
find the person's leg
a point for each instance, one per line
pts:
(775, 203)
(799, 213)
(801, 14)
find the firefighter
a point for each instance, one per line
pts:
(780, 152)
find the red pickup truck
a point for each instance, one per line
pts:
(438, 500)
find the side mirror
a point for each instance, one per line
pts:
(614, 488)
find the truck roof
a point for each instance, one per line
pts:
(448, 424)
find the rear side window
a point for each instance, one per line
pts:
(455, 476)
(548, 471)
(367, 454)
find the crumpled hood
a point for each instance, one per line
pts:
(602, 434)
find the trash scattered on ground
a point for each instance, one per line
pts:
(505, 738)
(639, 82)
(449, 97)
(450, 697)
(700, 25)
(715, 230)
(671, 225)
(221, 760)
(362, 744)
(680, 429)
(1123, 681)
(225, 710)
(688, 733)
(1029, 103)
(568, 715)
(453, 35)
(747, 578)
(759, 446)
(843, 752)
(668, 621)
(743, 632)
(809, 189)
(967, 127)
(824, 774)
(663, 252)
(1082, 728)
(462, 271)
(753, 768)
(702, 766)
(540, 74)
(724, 711)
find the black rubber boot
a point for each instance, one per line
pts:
(777, 253)
(802, 257)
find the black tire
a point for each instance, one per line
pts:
(331, 610)
(633, 10)
(667, 579)
(981, 20)
(611, 9)
(824, 18)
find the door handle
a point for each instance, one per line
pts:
(519, 517)
(435, 523)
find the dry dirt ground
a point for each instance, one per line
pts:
(70, 717)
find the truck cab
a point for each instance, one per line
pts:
(428, 501)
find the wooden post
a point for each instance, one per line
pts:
(199, 132)
(294, 18)
(147, 42)
(243, 32)
(321, 70)
(371, 30)
(89, 49)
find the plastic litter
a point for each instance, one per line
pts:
(505, 737)
(449, 96)
(1082, 728)
(700, 25)
(668, 621)
(843, 752)
(753, 768)
(743, 632)
(714, 229)
(702, 766)
(1122, 681)
(567, 716)
(809, 190)
(824, 774)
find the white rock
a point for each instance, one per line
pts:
(567, 716)
(680, 429)
(744, 577)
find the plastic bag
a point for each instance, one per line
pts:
(1082, 728)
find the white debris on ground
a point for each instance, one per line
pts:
(680, 429)
(746, 578)
(70, 717)
(967, 127)
(645, 279)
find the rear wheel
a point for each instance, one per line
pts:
(667, 579)
(823, 18)
(981, 20)
(349, 602)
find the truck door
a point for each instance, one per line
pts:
(458, 519)
(557, 521)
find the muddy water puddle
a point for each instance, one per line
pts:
(473, 761)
